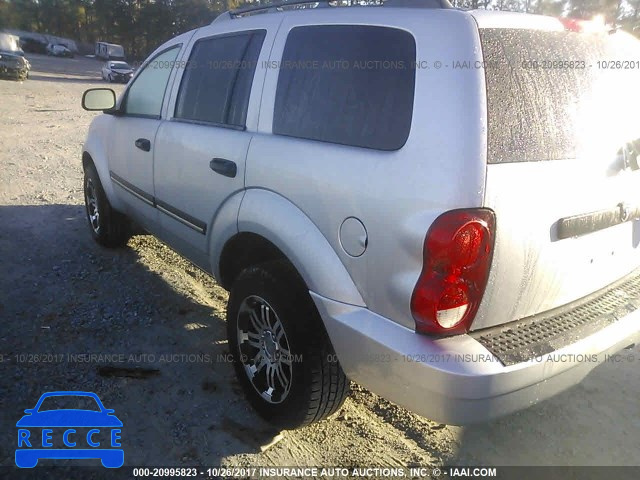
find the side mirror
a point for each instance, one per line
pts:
(29, 411)
(99, 99)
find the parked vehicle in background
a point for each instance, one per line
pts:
(12, 62)
(14, 66)
(109, 51)
(117, 71)
(59, 50)
(411, 199)
(32, 45)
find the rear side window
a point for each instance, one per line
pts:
(216, 86)
(347, 84)
(542, 85)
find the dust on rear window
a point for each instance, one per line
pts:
(542, 87)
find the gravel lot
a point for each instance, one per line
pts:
(63, 298)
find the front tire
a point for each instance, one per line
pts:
(108, 227)
(282, 355)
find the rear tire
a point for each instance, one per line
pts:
(282, 355)
(108, 227)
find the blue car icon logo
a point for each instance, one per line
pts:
(53, 430)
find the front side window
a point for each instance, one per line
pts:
(347, 84)
(146, 95)
(216, 86)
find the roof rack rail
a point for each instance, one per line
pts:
(278, 7)
(283, 5)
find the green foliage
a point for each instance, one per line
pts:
(139, 25)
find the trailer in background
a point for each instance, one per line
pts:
(109, 51)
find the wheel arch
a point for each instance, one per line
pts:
(270, 227)
(242, 251)
(87, 160)
(94, 151)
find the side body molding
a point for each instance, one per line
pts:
(282, 223)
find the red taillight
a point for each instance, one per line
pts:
(595, 25)
(456, 260)
(572, 24)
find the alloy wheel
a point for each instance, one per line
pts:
(91, 202)
(264, 349)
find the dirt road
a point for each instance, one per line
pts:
(69, 307)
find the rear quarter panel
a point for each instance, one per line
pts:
(397, 194)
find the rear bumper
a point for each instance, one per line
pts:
(456, 380)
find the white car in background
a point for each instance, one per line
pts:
(59, 50)
(117, 72)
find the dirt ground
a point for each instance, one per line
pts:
(63, 299)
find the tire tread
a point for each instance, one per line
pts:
(328, 386)
(115, 227)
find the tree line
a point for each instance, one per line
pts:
(624, 13)
(138, 25)
(141, 25)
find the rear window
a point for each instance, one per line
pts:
(346, 84)
(541, 85)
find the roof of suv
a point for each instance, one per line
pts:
(501, 19)
(284, 5)
(484, 18)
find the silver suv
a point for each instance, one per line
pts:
(440, 205)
